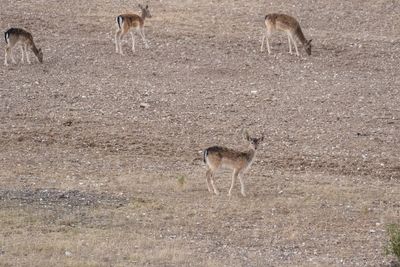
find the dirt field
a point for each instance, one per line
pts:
(90, 178)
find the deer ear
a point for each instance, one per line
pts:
(140, 6)
(310, 41)
(147, 6)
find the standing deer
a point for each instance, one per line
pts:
(239, 161)
(14, 36)
(126, 22)
(288, 24)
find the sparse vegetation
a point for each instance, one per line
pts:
(181, 179)
(393, 246)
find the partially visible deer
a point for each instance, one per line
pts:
(126, 22)
(238, 161)
(288, 24)
(15, 36)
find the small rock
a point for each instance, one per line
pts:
(68, 253)
(67, 123)
(144, 105)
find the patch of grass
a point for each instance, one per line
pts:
(365, 210)
(393, 247)
(181, 180)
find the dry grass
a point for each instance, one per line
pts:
(189, 227)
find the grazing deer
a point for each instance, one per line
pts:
(288, 24)
(239, 161)
(14, 36)
(125, 22)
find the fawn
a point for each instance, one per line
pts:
(288, 24)
(239, 161)
(125, 22)
(14, 36)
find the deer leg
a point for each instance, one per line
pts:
(268, 35)
(22, 54)
(12, 56)
(208, 179)
(141, 31)
(6, 50)
(211, 177)
(262, 42)
(269, 50)
(234, 176)
(295, 45)
(290, 45)
(241, 186)
(133, 42)
(27, 54)
(213, 185)
(117, 40)
(120, 42)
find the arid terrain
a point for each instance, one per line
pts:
(88, 177)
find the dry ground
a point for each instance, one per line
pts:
(89, 178)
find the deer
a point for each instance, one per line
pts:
(126, 22)
(288, 24)
(217, 157)
(15, 36)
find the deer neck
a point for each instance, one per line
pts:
(251, 153)
(34, 49)
(300, 35)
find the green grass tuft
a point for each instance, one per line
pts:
(393, 246)
(181, 179)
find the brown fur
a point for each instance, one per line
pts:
(216, 157)
(288, 24)
(15, 36)
(126, 22)
(132, 21)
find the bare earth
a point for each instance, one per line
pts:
(90, 178)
